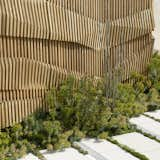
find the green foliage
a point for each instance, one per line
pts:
(154, 75)
(153, 101)
(77, 135)
(154, 69)
(4, 139)
(148, 87)
(141, 83)
(77, 112)
(103, 135)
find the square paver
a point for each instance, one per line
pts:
(29, 157)
(141, 144)
(155, 114)
(104, 150)
(147, 125)
(67, 154)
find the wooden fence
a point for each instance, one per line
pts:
(43, 41)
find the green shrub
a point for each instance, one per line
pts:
(84, 110)
(153, 100)
(83, 107)
(154, 69)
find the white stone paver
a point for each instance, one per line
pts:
(104, 150)
(29, 157)
(67, 154)
(141, 144)
(155, 114)
(147, 125)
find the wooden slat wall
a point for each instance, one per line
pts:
(34, 49)
(58, 23)
(44, 41)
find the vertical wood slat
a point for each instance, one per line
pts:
(41, 42)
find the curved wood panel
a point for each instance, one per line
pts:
(44, 41)
(43, 20)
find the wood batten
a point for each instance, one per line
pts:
(44, 41)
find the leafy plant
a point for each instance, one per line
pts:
(154, 69)
(75, 112)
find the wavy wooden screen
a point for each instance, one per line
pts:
(44, 41)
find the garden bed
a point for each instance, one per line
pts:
(82, 111)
